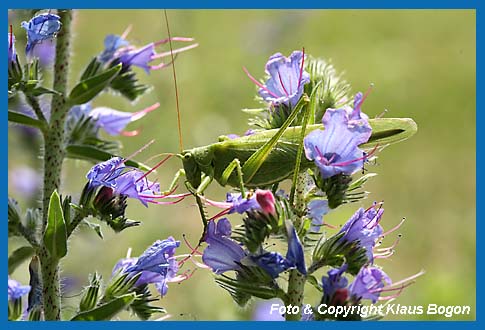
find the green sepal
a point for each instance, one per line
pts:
(250, 282)
(15, 310)
(127, 85)
(87, 89)
(106, 311)
(14, 218)
(314, 282)
(20, 118)
(96, 228)
(90, 297)
(334, 252)
(18, 257)
(92, 69)
(86, 152)
(55, 236)
(120, 284)
(35, 314)
(141, 305)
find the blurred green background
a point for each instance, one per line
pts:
(422, 64)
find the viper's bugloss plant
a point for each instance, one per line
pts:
(308, 132)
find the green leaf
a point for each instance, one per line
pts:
(106, 311)
(87, 89)
(92, 69)
(86, 152)
(37, 91)
(390, 130)
(20, 118)
(55, 236)
(18, 256)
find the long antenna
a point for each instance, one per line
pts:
(179, 121)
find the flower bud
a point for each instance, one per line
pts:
(266, 200)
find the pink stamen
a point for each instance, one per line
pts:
(193, 250)
(131, 133)
(138, 151)
(357, 159)
(155, 167)
(175, 51)
(365, 96)
(259, 84)
(301, 68)
(384, 255)
(410, 278)
(222, 205)
(127, 30)
(166, 203)
(330, 226)
(282, 85)
(142, 113)
(396, 242)
(220, 214)
(394, 228)
(164, 41)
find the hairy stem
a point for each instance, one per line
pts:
(36, 107)
(296, 281)
(53, 157)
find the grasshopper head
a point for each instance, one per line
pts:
(197, 161)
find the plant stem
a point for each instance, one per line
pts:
(53, 157)
(296, 281)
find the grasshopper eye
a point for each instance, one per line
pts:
(188, 155)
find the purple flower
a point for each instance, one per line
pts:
(223, 254)
(124, 180)
(157, 264)
(112, 121)
(287, 79)
(335, 149)
(334, 281)
(240, 204)
(111, 44)
(364, 228)
(39, 28)
(356, 113)
(105, 172)
(263, 312)
(45, 52)
(16, 290)
(317, 208)
(117, 47)
(295, 250)
(25, 181)
(12, 55)
(368, 284)
(273, 263)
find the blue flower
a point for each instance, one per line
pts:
(223, 254)
(273, 263)
(16, 290)
(139, 57)
(363, 227)
(295, 250)
(240, 204)
(263, 312)
(111, 44)
(45, 52)
(25, 181)
(12, 55)
(124, 180)
(368, 284)
(116, 47)
(317, 208)
(112, 121)
(105, 172)
(41, 27)
(335, 149)
(287, 79)
(334, 281)
(157, 265)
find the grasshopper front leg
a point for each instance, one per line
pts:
(235, 164)
(197, 193)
